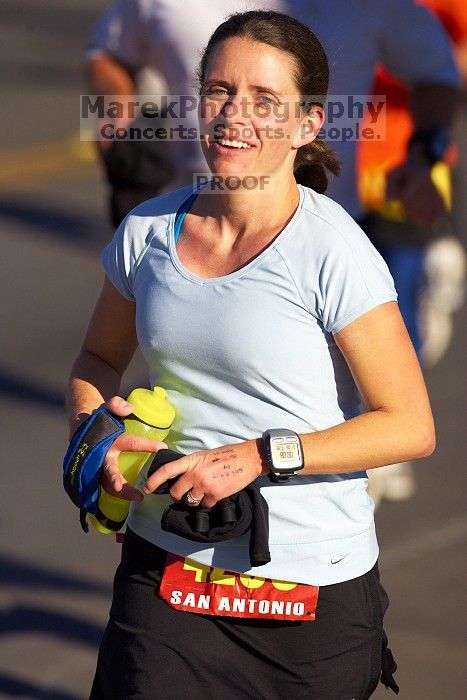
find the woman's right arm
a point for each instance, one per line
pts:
(95, 378)
(107, 349)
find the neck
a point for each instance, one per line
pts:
(267, 207)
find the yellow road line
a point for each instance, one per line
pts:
(28, 165)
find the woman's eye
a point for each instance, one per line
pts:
(265, 100)
(214, 91)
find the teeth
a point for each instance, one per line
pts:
(234, 144)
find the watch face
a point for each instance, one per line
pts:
(286, 452)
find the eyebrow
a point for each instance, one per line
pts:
(258, 88)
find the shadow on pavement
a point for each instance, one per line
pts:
(17, 574)
(75, 228)
(27, 390)
(23, 619)
(14, 688)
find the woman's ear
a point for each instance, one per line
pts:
(310, 126)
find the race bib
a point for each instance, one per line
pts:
(197, 588)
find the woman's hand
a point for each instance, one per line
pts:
(212, 474)
(112, 480)
(411, 184)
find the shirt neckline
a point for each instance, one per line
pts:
(178, 217)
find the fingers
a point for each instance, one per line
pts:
(192, 500)
(112, 479)
(113, 482)
(186, 483)
(209, 475)
(133, 443)
(167, 471)
(130, 443)
(183, 488)
(118, 406)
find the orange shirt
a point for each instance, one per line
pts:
(453, 15)
(374, 158)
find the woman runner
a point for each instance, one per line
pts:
(263, 309)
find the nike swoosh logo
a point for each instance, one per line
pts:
(337, 561)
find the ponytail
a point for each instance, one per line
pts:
(312, 164)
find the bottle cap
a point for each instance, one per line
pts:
(152, 407)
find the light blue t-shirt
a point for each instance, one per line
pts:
(254, 350)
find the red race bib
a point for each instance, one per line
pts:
(197, 588)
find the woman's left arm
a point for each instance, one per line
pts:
(397, 426)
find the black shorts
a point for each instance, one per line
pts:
(150, 651)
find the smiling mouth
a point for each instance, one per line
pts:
(233, 144)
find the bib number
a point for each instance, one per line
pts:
(198, 588)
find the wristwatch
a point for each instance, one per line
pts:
(434, 142)
(283, 454)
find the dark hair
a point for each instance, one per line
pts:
(312, 77)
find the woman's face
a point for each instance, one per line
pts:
(250, 118)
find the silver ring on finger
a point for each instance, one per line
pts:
(190, 500)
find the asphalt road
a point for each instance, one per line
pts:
(55, 582)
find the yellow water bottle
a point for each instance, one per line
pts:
(152, 418)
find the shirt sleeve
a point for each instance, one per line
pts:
(121, 31)
(120, 257)
(345, 274)
(414, 45)
(352, 284)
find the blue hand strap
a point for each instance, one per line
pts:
(85, 456)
